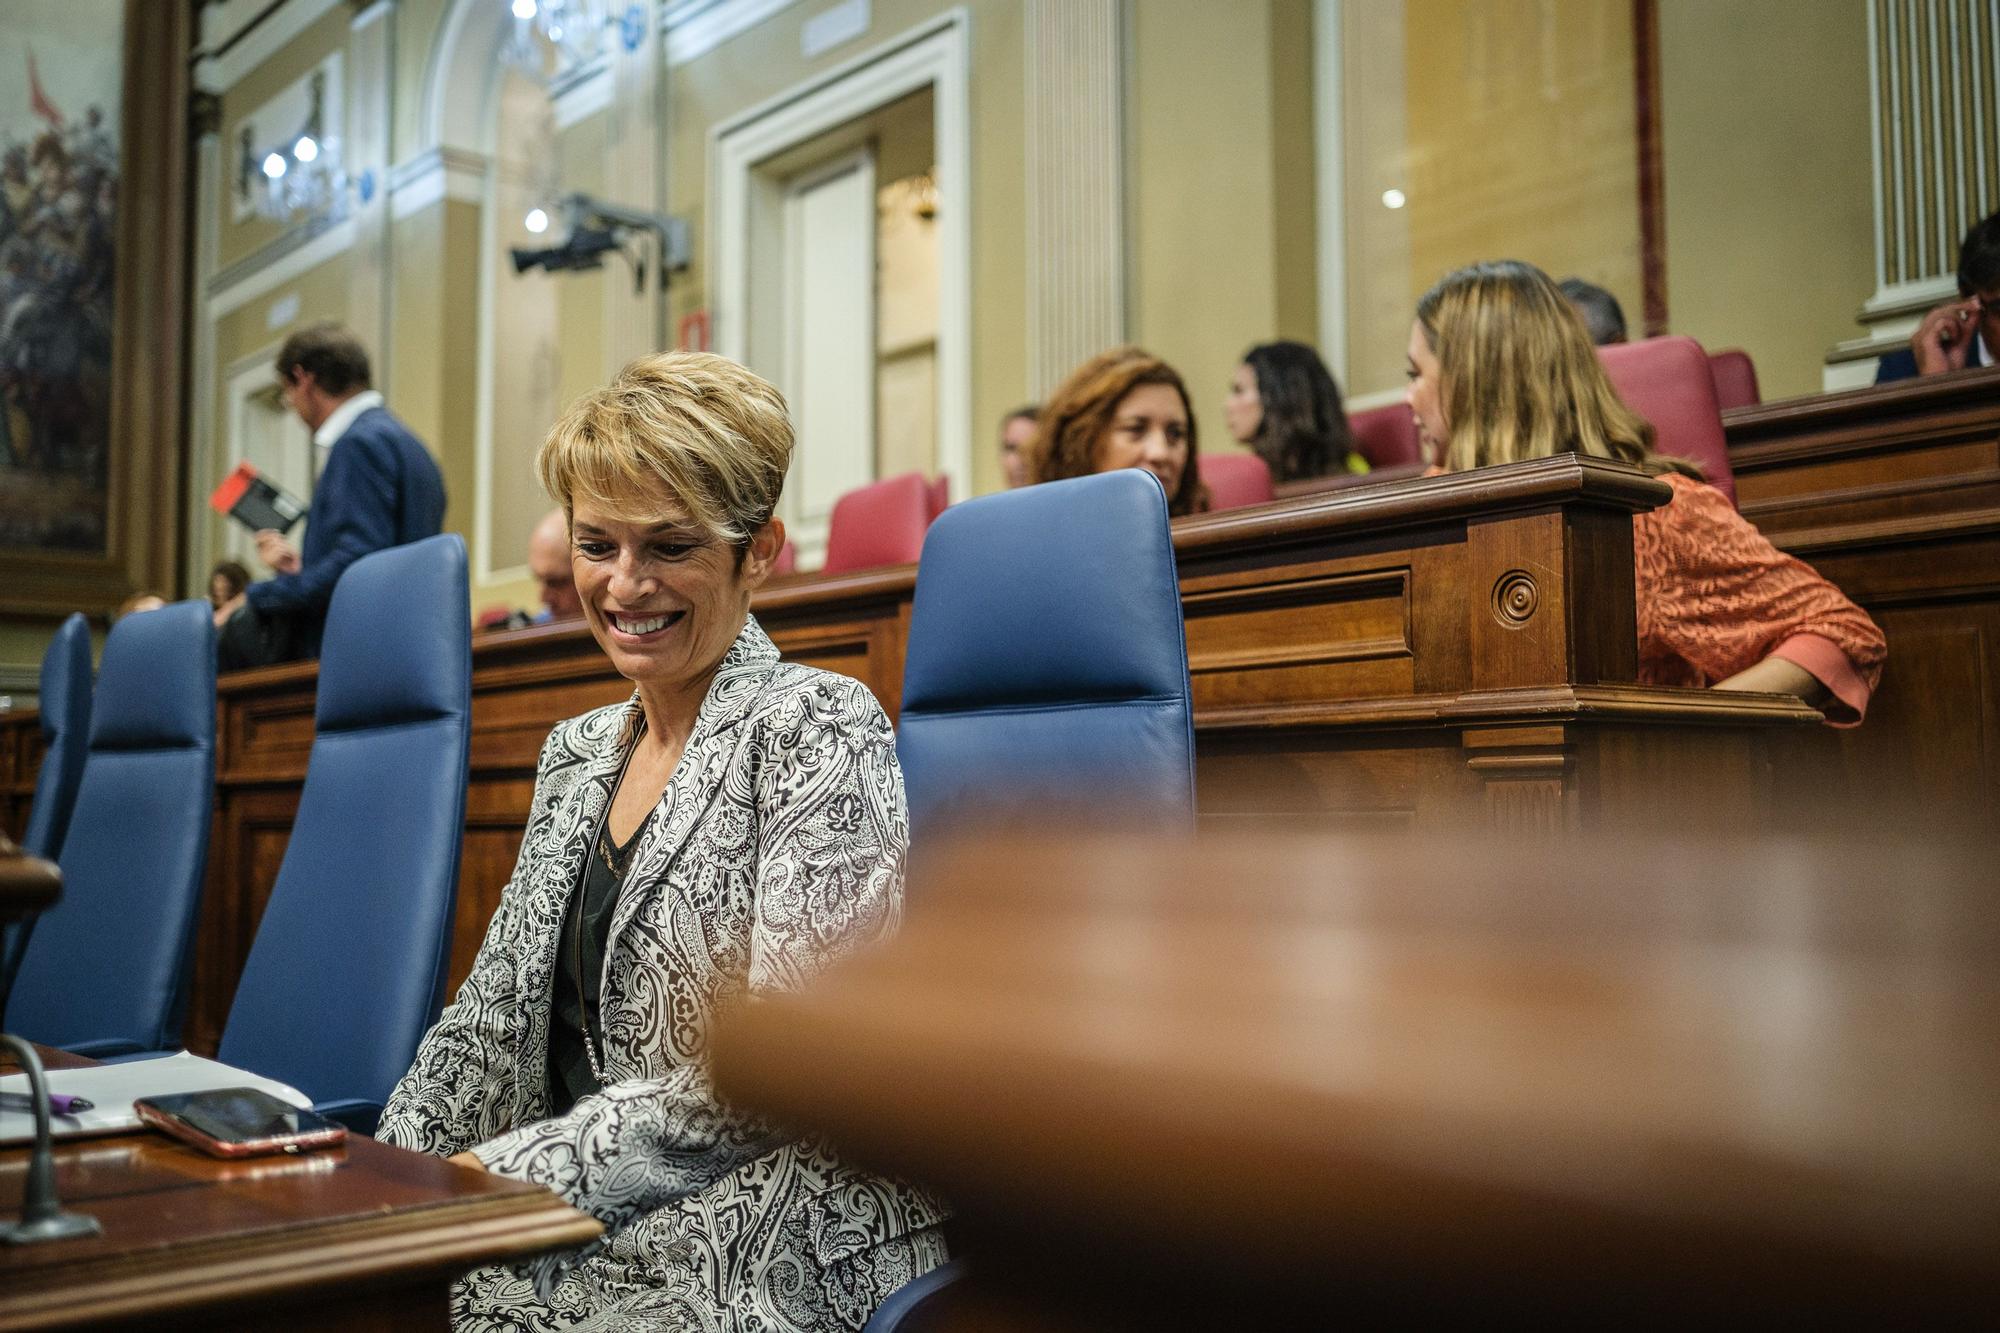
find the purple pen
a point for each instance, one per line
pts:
(59, 1104)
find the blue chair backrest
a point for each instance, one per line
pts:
(65, 716)
(106, 970)
(348, 968)
(64, 701)
(1047, 663)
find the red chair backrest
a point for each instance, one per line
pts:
(940, 495)
(1235, 480)
(1735, 379)
(1667, 381)
(1387, 436)
(882, 524)
(788, 559)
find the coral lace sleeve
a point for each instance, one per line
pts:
(1714, 597)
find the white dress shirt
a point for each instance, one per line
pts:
(336, 424)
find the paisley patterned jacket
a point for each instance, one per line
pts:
(778, 847)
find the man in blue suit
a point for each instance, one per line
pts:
(378, 487)
(1960, 333)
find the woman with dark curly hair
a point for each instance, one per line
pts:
(1123, 408)
(1284, 404)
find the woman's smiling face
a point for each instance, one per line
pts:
(664, 599)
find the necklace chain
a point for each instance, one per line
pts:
(617, 865)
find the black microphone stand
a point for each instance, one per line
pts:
(27, 886)
(42, 1214)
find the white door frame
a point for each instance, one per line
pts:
(933, 55)
(246, 379)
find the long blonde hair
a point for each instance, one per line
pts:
(1518, 377)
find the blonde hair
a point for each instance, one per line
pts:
(681, 428)
(1519, 378)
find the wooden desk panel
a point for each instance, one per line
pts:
(1414, 654)
(366, 1236)
(1894, 494)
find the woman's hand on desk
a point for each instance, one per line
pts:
(1776, 675)
(467, 1159)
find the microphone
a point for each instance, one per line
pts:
(28, 885)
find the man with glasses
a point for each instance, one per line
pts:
(1960, 333)
(378, 487)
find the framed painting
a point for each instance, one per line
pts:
(93, 270)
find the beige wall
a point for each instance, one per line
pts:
(1219, 108)
(1770, 225)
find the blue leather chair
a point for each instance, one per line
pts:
(65, 716)
(64, 703)
(917, 1303)
(348, 968)
(1047, 665)
(106, 971)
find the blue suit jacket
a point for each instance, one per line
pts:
(1901, 364)
(380, 488)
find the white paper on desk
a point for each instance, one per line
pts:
(113, 1088)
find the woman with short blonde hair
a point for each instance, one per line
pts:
(698, 430)
(733, 827)
(1502, 370)
(1123, 408)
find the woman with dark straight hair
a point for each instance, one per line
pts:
(1284, 404)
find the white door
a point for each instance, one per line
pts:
(829, 358)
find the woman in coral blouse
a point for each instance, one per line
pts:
(1502, 370)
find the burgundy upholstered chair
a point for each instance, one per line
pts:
(1735, 379)
(1386, 436)
(1235, 480)
(940, 495)
(1667, 381)
(882, 524)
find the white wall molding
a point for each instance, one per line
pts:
(696, 27)
(582, 92)
(229, 53)
(455, 107)
(296, 254)
(432, 177)
(1076, 234)
(935, 54)
(1330, 172)
(375, 13)
(1932, 117)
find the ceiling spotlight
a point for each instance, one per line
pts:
(306, 149)
(537, 221)
(274, 165)
(524, 9)
(555, 32)
(1393, 199)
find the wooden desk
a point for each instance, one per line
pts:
(1281, 1082)
(364, 1237)
(1894, 494)
(1412, 655)
(28, 885)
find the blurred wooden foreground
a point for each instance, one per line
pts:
(1282, 1081)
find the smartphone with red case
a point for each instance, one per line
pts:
(238, 1122)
